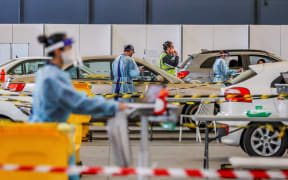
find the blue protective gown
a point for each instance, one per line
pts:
(54, 98)
(221, 70)
(124, 70)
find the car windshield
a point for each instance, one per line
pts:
(243, 76)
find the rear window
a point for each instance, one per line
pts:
(187, 62)
(208, 63)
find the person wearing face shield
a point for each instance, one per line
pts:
(169, 58)
(54, 96)
(220, 68)
(124, 70)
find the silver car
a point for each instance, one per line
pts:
(198, 67)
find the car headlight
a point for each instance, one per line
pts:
(25, 109)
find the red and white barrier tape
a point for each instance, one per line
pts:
(171, 172)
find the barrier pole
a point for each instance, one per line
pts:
(206, 147)
(143, 154)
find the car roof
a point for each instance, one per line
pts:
(15, 61)
(232, 50)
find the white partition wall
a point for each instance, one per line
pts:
(5, 40)
(72, 30)
(6, 33)
(266, 37)
(284, 41)
(197, 37)
(95, 40)
(129, 34)
(156, 36)
(231, 37)
(147, 39)
(28, 34)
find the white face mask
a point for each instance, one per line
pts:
(68, 57)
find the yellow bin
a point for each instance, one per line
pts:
(34, 145)
(78, 120)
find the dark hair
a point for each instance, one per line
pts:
(233, 63)
(167, 45)
(48, 41)
(261, 60)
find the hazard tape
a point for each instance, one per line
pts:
(140, 95)
(137, 83)
(15, 101)
(152, 172)
(272, 128)
(17, 95)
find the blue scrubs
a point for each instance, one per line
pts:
(124, 70)
(221, 70)
(54, 98)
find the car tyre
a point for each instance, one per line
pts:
(259, 140)
(191, 110)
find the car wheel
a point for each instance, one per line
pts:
(260, 140)
(191, 110)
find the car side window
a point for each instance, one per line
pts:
(16, 70)
(146, 75)
(100, 70)
(72, 71)
(255, 59)
(32, 67)
(208, 63)
(234, 62)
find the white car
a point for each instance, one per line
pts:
(258, 140)
(12, 110)
(22, 66)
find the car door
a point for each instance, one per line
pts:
(280, 103)
(96, 72)
(149, 76)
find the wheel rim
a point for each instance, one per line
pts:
(265, 142)
(192, 112)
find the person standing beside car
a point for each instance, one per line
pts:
(169, 58)
(125, 70)
(220, 68)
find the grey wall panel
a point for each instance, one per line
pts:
(273, 12)
(119, 11)
(56, 11)
(9, 11)
(202, 11)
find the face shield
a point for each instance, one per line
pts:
(68, 56)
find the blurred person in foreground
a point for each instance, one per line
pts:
(54, 96)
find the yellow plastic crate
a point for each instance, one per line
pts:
(32, 145)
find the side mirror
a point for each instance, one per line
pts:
(160, 78)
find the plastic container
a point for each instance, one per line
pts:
(282, 101)
(258, 112)
(168, 125)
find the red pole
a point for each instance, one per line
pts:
(2, 75)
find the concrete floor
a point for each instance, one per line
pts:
(163, 154)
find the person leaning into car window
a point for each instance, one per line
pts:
(261, 61)
(169, 58)
(220, 68)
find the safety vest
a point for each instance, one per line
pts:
(163, 66)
